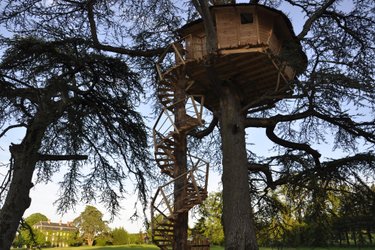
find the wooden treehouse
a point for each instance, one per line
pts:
(257, 51)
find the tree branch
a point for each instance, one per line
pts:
(345, 123)
(197, 7)
(309, 22)
(8, 92)
(288, 144)
(98, 45)
(266, 122)
(328, 167)
(348, 125)
(43, 157)
(207, 131)
(265, 169)
(12, 127)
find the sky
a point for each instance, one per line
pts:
(44, 195)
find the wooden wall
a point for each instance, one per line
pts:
(267, 30)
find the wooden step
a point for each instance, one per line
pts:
(188, 123)
(168, 172)
(164, 155)
(165, 148)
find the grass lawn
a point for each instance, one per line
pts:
(125, 247)
(153, 247)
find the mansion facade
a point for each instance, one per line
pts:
(56, 234)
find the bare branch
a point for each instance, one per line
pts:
(309, 22)
(12, 127)
(266, 122)
(98, 45)
(301, 146)
(207, 131)
(349, 125)
(197, 7)
(265, 169)
(43, 157)
(344, 122)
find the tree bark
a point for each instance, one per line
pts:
(25, 157)
(238, 222)
(90, 241)
(181, 221)
(203, 8)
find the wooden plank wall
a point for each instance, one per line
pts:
(265, 22)
(227, 21)
(195, 46)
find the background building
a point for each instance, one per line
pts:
(56, 234)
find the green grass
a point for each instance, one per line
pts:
(153, 247)
(318, 248)
(125, 247)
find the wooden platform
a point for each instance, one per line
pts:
(253, 70)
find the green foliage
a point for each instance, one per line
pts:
(311, 217)
(75, 239)
(120, 236)
(136, 238)
(90, 224)
(29, 236)
(35, 218)
(104, 239)
(209, 224)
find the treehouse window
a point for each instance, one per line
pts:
(246, 18)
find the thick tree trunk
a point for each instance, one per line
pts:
(181, 222)
(17, 200)
(237, 213)
(90, 241)
(25, 156)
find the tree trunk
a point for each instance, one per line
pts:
(347, 237)
(90, 241)
(25, 156)
(237, 213)
(369, 236)
(181, 221)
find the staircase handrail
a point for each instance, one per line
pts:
(172, 47)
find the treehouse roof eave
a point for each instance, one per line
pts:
(286, 19)
(197, 24)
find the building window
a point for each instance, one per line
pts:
(246, 17)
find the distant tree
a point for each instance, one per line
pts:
(103, 239)
(75, 239)
(136, 238)
(209, 224)
(29, 236)
(35, 218)
(90, 224)
(120, 236)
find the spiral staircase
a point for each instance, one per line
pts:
(194, 190)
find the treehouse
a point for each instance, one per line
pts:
(256, 50)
